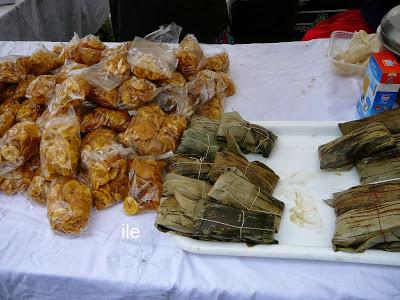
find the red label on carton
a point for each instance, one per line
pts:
(389, 66)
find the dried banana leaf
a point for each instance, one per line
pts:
(249, 137)
(368, 216)
(169, 217)
(358, 144)
(233, 189)
(207, 124)
(390, 118)
(199, 143)
(228, 224)
(256, 172)
(374, 169)
(189, 166)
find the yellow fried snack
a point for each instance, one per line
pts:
(8, 92)
(212, 109)
(218, 62)
(8, 112)
(145, 185)
(44, 61)
(63, 72)
(103, 97)
(14, 69)
(72, 92)
(230, 85)
(59, 148)
(38, 190)
(69, 204)
(22, 86)
(117, 120)
(135, 93)
(189, 55)
(29, 111)
(41, 89)
(121, 48)
(18, 180)
(177, 79)
(18, 145)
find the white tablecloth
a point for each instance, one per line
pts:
(51, 20)
(287, 81)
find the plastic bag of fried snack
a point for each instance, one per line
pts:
(72, 92)
(217, 61)
(171, 97)
(165, 34)
(38, 190)
(135, 93)
(117, 120)
(103, 97)
(22, 86)
(43, 61)
(64, 71)
(150, 60)
(190, 56)
(8, 112)
(18, 180)
(14, 68)
(69, 204)
(8, 92)
(41, 89)
(230, 85)
(18, 145)
(212, 109)
(108, 73)
(29, 111)
(105, 163)
(59, 147)
(145, 185)
(152, 132)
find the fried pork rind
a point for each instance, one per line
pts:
(59, 148)
(177, 79)
(103, 97)
(117, 120)
(18, 145)
(22, 86)
(150, 60)
(121, 48)
(218, 62)
(145, 185)
(8, 112)
(41, 89)
(212, 109)
(152, 132)
(135, 93)
(105, 163)
(64, 71)
(18, 180)
(109, 73)
(69, 203)
(72, 92)
(29, 111)
(43, 61)
(13, 68)
(190, 55)
(230, 85)
(39, 189)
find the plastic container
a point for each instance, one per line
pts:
(340, 42)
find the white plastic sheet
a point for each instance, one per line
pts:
(288, 81)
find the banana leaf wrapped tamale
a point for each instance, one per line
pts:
(181, 196)
(390, 118)
(356, 145)
(368, 216)
(228, 224)
(199, 142)
(189, 166)
(205, 123)
(256, 172)
(233, 189)
(377, 168)
(249, 137)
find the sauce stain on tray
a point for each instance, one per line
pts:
(304, 213)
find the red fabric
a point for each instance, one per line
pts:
(349, 20)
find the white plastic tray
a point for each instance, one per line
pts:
(295, 160)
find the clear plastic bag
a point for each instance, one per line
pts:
(212, 109)
(43, 61)
(18, 145)
(165, 34)
(41, 89)
(172, 98)
(29, 111)
(103, 97)
(177, 80)
(14, 68)
(217, 61)
(69, 203)
(64, 71)
(117, 120)
(153, 61)
(22, 86)
(59, 148)
(230, 85)
(8, 112)
(38, 190)
(145, 185)
(190, 56)
(135, 93)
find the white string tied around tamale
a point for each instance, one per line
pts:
(204, 144)
(251, 206)
(241, 227)
(249, 128)
(247, 166)
(200, 162)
